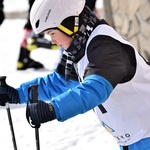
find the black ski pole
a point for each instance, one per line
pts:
(33, 98)
(3, 84)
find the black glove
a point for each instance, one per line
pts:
(40, 112)
(8, 94)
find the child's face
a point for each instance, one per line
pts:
(59, 38)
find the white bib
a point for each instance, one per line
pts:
(128, 107)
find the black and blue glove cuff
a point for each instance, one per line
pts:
(41, 112)
(10, 94)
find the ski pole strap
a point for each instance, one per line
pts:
(28, 118)
(32, 98)
(33, 93)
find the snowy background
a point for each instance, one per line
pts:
(82, 132)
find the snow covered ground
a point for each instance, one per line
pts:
(82, 132)
(22, 5)
(15, 5)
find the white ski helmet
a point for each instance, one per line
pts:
(49, 14)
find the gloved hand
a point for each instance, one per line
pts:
(8, 94)
(40, 112)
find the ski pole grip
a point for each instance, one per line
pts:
(33, 98)
(3, 81)
(33, 93)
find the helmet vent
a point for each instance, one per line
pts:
(37, 24)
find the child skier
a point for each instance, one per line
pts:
(99, 70)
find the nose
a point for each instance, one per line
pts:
(53, 41)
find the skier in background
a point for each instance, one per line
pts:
(2, 15)
(30, 42)
(91, 4)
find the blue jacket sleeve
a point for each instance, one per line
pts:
(49, 86)
(93, 91)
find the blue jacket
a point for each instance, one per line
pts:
(53, 88)
(69, 99)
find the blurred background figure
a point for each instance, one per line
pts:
(91, 4)
(2, 15)
(31, 42)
